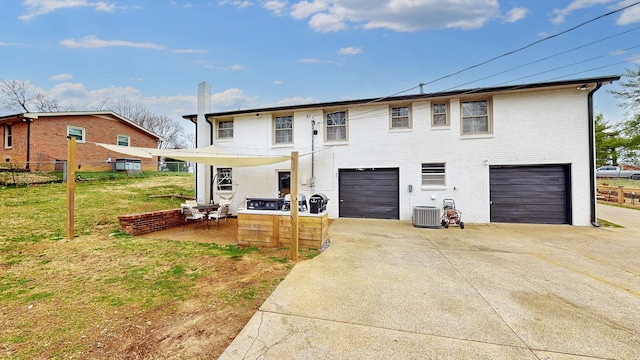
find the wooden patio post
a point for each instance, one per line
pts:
(71, 184)
(620, 195)
(294, 205)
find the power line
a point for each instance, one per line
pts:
(545, 58)
(532, 44)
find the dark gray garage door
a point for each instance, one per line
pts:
(530, 194)
(369, 193)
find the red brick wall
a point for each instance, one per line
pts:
(49, 142)
(138, 224)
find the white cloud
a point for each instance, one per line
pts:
(397, 15)
(305, 9)
(561, 14)
(35, 8)
(92, 42)
(278, 82)
(275, 6)
(314, 61)
(629, 16)
(350, 51)
(234, 67)
(61, 77)
(296, 100)
(237, 3)
(233, 97)
(516, 14)
(189, 51)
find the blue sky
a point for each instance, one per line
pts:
(272, 53)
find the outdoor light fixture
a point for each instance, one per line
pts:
(583, 87)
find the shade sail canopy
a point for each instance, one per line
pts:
(209, 155)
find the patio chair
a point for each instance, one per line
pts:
(191, 214)
(222, 213)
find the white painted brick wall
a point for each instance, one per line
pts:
(529, 128)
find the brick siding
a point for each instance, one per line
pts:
(138, 224)
(49, 142)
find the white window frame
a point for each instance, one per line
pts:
(328, 126)
(469, 114)
(8, 136)
(123, 137)
(83, 131)
(434, 175)
(445, 106)
(279, 131)
(395, 117)
(224, 181)
(225, 133)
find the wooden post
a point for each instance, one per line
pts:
(71, 185)
(294, 205)
(620, 195)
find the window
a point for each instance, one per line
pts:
(475, 117)
(124, 140)
(433, 174)
(8, 136)
(336, 126)
(283, 127)
(400, 117)
(76, 132)
(439, 114)
(225, 129)
(224, 180)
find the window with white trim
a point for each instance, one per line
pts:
(124, 140)
(225, 129)
(439, 114)
(283, 129)
(400, 117)
(8, 136)
(475, 117)
(433, 174)
(224, 182)
(336, 126)
(76, 132)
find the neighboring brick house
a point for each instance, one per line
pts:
(521, 153)
(38, 141)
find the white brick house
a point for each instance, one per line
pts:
(506, 154)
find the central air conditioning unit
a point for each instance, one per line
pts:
(426, 217)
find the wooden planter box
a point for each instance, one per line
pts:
(265, 228)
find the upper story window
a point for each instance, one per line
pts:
(124, 140)
(225, 129)
(440, 116)
(283, 129)
(433, 174)
(8, 136)
(475, 117)
(336, 126)
(400, 117)
(76, 132)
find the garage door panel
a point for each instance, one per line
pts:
(369, 193)
(530, 194)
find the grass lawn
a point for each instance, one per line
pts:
(105, 294)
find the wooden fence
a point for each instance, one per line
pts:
(619, 194)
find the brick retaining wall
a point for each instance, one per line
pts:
(138, 224)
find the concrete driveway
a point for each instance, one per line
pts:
(387, 290)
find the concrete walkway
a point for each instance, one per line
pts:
(387, 290)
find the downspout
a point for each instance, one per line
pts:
(592, 155)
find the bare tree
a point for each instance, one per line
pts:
(15, 95)
(169, 130)
(20, 96)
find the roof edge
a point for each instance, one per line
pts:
(581, 81)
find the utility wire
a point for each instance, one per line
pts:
(532, 44)
(544, 58)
